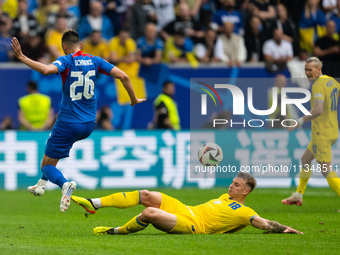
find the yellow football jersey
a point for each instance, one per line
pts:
(222, 215)
(100, 50)
(325, 126)
(122, 50)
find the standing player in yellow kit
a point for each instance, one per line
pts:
(324, 103)
(226, 214)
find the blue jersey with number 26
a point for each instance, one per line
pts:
(78, 72)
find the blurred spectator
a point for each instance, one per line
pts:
(294, 8)
(327, 50)
(6, 53)
(179, 49)
(143, 12)
(72, 19)
(194, 6)
(311, 25)
(165, 11)
(336, 18)
(166, 113)
(44, 9)
(96, 45)
(35, 112)
(10, 7)
(206, 13)
(277, 52)
(254, 40)
(24, 23)
(150, 47)
(230, 15)
(96, 20)
(280, 82)
(35, 48)
(6, 123)
(264, 9)
(330, 7)
(104, 118)
(123, 53)
(116, 11)
(230, 47)
(186, 23)
(204, 50)
(53, 38)
(288, 27)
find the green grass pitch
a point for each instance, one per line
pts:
(32, 225)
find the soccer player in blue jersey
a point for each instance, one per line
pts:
(76, 119)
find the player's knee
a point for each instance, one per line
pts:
(144, 195)
(149, 213)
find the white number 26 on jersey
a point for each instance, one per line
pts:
(88, 91)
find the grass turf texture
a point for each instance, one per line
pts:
(32, 225)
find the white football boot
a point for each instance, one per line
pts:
(38, 189)
(67, 190)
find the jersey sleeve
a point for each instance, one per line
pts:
(246, 215)
(318, 91)
(61, 63)
(104, 66)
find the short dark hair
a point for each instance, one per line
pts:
(167, 83)
(32, 85)
(70, 37)
(250, 180)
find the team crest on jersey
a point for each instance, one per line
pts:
(329, 83)
(218, 202)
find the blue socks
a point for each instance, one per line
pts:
(53, 175)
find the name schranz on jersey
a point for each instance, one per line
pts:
(82, 62)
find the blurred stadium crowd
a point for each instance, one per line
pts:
(171, 31)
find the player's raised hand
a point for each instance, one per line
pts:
(290, 230)
(16, 47)
(138, 101)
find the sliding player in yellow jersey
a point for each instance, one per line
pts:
(226, 214)
(325, 130)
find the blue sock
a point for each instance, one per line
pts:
(54, 175)
(44, 177)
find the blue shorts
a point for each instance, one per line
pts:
(64, 135)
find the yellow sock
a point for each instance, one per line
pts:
(304, 177)
(132, 226)
(121, 199)
(334, 182)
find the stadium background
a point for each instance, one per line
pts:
(135, 157)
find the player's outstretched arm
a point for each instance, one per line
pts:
(119, 74)
(37, 66)
(272, 226)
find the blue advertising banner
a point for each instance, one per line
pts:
(151, 159)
